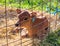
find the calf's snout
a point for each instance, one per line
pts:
(16, 24)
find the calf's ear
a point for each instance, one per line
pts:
(18, 11)
(33, 15)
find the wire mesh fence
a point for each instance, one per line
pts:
(9, 17)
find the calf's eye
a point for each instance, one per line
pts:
(25, 18)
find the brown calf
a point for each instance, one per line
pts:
(36, 25)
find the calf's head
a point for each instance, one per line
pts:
(25, 19)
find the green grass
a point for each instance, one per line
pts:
(30, 3)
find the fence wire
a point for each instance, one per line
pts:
(20, 39)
